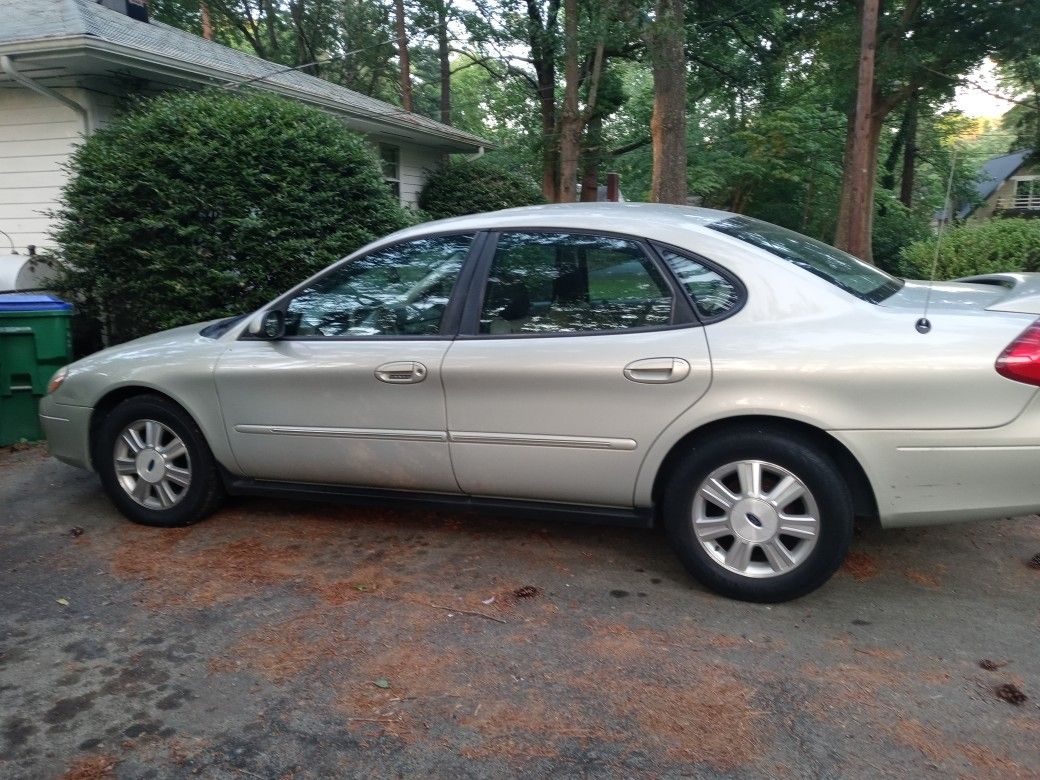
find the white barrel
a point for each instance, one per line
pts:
(22, 272)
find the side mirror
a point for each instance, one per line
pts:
(268, 325)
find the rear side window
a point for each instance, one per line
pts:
(713, 294)
(545, 283)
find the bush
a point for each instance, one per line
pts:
(473, 187)
(978, 248)
(195, 205)
(895, 228)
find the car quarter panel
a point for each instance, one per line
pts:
(941, 476)
(176, 363)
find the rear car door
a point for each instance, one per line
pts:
(352, 394)
(576, 351)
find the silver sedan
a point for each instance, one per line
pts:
(751, 389)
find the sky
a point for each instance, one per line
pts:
(975, 103)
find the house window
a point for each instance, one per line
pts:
(1027, 192)
(390, 159)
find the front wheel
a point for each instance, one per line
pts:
(758, 516)
(155, 465)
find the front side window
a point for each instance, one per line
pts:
(401, 290)
(839, 268)
(545, 283)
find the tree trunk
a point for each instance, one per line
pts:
(207, 24)
(570, 120)
(542, 40)
(906, 184)
(590, 159)
(856, 206)
(445, 61)
(402, 56)
(668, 125)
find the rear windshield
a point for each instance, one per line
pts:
(837, 267)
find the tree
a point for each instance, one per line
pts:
(402, 55)
(857, 192)
(665, 44)
(922, 47)
(195, 205)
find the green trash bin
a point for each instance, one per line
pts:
(34, 343)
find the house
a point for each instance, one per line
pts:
(66, 65)
(1008, 185)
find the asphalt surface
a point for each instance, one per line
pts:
(283, 640)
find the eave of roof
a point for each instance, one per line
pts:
(233, 67)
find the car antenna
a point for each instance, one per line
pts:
(924, 325)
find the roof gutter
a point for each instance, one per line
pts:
(7, 65)
(129, 55)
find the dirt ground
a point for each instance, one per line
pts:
(285, 640)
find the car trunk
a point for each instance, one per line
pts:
(1005, 292)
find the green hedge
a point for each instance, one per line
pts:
(194, 205)
(978, 248)
(473, 187)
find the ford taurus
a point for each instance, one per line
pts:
(751, 389)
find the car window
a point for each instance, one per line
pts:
(839, 268)
(570, 283)
(713, 294)
(401, 290)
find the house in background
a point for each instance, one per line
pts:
(1009, 186)
(66, 65)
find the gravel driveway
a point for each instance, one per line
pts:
(283, 639)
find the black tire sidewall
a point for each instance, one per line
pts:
(810, 464)
(197, 503)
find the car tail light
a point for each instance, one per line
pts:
(1021, 359)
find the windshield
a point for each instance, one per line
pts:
(837, 267)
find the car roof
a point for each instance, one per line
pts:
(638, 219)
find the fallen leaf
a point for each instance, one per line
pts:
(1011, 694)
(64, 602)
(382, 682)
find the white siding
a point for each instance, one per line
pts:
(415, 162)
(37, 135)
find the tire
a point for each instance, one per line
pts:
(742, 551)
(155, 465)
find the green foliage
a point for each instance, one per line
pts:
(473, 187)
(196, 205)
(978, 248)
(896, 227)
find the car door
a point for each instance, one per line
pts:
(577, 350)
(352, 394)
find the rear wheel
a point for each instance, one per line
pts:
(758, 516)
(155, 465)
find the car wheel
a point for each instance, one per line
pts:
(155, 465)
(758, 516)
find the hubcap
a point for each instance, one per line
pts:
(152, 464)
(755, 518)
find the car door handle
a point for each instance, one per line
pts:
(403, 372)
(657, 371)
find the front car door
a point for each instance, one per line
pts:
(576, 352)
(352, 395)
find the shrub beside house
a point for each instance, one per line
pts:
(196, 205)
